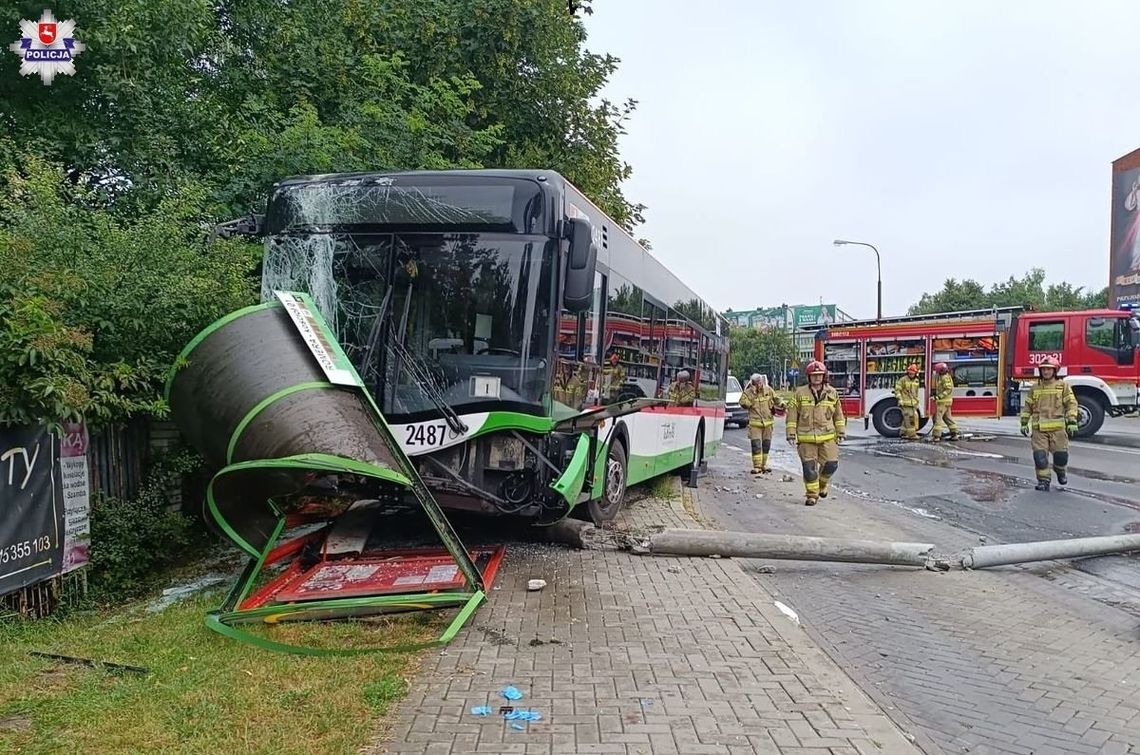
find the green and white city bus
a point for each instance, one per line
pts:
(517, 340)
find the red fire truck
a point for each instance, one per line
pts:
(992, 354)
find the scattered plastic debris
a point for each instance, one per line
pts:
(788, 612)
(512, 693)
(536, 584)
(481, 710)
(172, 595)
(518, 727)
(522, 714)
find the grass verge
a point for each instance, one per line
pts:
(203, 693)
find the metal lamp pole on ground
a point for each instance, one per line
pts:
(878, 267)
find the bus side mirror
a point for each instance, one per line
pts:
(251, 225)
(578, 289)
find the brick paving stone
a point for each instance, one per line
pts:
(655, 655)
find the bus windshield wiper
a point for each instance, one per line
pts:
(416, 370)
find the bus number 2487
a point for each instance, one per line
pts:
(428, 435)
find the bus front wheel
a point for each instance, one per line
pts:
(604, 509)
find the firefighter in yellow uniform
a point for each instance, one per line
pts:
(613, 378)
(759, 399)
(906, 393)
(815, 425)
(943, 398)
(1051, 413)
(681, 392)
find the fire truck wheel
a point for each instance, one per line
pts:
(1090, 415)
(887, 418)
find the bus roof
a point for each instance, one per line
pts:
(366, 176)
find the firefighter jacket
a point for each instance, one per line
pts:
(906, 391)
(683, 394)
(613, 380)
(1051, 404)
(815, 418)
(944, 389)
(759, 402)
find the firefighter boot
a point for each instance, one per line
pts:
(1041, 467)
(829, 468)
(1060, 466)
(811, 483)
(757, 455)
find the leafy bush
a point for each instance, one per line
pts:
(133, 540)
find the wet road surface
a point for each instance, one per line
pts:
(1041, 658)
(985, 487)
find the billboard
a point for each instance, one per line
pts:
(810, 316)
(1124, 262)
(44, 503)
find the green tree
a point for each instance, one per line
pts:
(754, 350)
(237, 93)
(1028, 291)
(94, 307)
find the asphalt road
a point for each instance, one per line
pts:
(984, 485)
(1043, 658)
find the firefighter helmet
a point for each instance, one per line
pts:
(815, 367)
(1051, 362)
(912, 369)
(941, 368)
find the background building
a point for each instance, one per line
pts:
(792, 318)
(1124, 254)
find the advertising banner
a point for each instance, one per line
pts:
(815, 315)
(44, 504)
(1124, 264)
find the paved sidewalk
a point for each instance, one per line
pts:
(631, 654)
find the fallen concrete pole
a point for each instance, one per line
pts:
(1048, 550)
(575, 533)
(678, 542)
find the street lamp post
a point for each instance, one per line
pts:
(878, 267)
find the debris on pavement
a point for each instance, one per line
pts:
(535, 584)
(481, 710)
(788, 612)
(512, 693)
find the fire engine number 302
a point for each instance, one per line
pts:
(1037, 357)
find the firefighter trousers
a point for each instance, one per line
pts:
(909, 422)
(943, 420)
(820, 461)
(760, 437)
(1045, 442)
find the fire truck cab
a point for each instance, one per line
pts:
(993, 356)
(1099, 351)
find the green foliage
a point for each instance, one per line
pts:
(94, 305)
(133, 540)
(759, 350)
(1028, 291)
(239, 93)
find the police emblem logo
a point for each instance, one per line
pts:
(47, 47)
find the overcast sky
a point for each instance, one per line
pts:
(970, 138)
